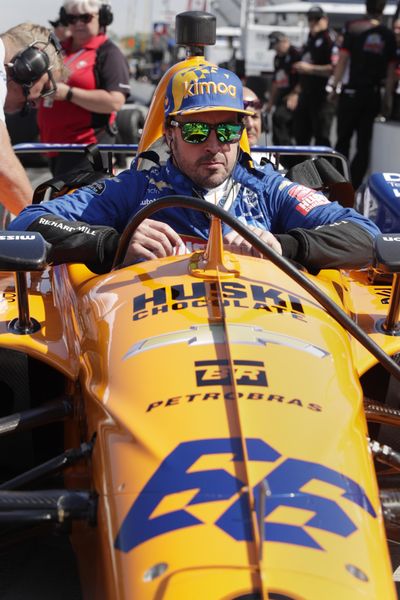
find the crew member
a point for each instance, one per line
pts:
(395, 112)
(29, 65)
(83, 110)
(367, 57)
(60, 30)
(284, 89)
(314, 112)
(253, 123)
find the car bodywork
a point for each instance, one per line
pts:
(223, 410)
(214, 418)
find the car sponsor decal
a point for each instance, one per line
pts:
(287, 488)
(392, 180)
(97, 187)
(218, 372)
(7, 296)
(269, 397)
(307, 199)
(199, 295)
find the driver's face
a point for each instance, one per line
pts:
(15, 99)
(207, 164)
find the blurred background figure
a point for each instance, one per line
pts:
(314, 112)
(395, 114)
(366, 59)
(83, 110)
(30, 64)
(60, 30)
(284, 89)
(254, 123)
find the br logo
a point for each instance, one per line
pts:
(285, 482)
(218, 372)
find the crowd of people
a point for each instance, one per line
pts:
(353, 74)
(79, 80)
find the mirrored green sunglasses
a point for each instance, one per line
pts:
(197, 133)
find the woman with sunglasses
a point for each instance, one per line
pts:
(203, 126)
(84, 108)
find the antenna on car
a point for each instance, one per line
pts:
(195, 29)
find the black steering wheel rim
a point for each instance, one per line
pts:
(184, 202)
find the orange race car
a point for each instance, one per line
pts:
(223, 417)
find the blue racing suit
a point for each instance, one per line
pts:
(85, 226)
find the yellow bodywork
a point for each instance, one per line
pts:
(200, 388)
(231, 453)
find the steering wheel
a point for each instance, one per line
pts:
(194, 203)
(281, 262)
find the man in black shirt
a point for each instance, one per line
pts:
(283, 94)
(314, 112)
(367, 57)
(395, 112)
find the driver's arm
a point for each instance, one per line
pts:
(96, 245)
(78, 242)
(344, 244)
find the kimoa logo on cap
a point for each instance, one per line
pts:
(196, 88)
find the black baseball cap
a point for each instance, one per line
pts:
(275, 37)
(315, 13)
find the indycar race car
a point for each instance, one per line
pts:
(208, 425)
(378, 199)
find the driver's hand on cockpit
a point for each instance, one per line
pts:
(153, 239)
(235, 243)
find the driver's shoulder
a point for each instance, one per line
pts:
(261, 177)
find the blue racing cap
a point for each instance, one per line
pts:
(204, 88)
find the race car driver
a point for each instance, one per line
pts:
(203, 126)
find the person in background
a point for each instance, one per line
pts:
(395, 113)
(30, 63)
(314, 111)
(203, 125)
(284, 93)
(60, 30)
(83, 109)
(253, 123)
(366, 58)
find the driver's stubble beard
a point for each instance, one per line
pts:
(170, 141)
